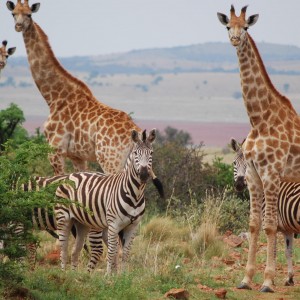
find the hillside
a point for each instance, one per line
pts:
(212, 57)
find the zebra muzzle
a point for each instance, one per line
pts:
(144, 174)
(239, 184)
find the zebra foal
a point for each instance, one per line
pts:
(113, 202)
(288, 206)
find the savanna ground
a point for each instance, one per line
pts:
(164, 256)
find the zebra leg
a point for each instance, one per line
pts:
(289, 238)
(31, 250)
(64, 225)
(81, 233)
(95, 239)
(127, 235)
(112, 250)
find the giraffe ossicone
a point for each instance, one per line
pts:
(272, 148)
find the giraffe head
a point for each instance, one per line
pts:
(142, 153)
(5, 53)
(22, 13)
(237, 26)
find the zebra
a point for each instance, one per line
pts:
(43, 219)
(288, 206)
(113, 202)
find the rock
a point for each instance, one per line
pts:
(233, 240)
(221, 293)
(178, 294)
(53, 257)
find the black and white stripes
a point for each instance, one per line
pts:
(115, 202)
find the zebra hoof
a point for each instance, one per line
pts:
(244, 286)
(266, 289)
(289, 282)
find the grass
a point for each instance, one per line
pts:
(165, 255)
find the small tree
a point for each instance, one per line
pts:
(10, 125)
(16, 205)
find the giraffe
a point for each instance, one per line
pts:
(272, 147)
(79, 127)
(4, 54)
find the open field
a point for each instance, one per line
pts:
(207, 105)
(159, 265)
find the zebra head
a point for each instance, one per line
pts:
(239, 167)
(142, 153)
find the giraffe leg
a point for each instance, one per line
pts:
(256, 197)
(57, 162)
(81, 233)
(95, 239)
(271, 191)
(289, 238)
(79, 165)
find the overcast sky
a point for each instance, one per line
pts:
(92, 27)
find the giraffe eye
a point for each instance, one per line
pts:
(13, 14)
(227, 27)
(6, 56)
(246, 28)
(29, 15)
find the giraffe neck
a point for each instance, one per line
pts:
(52, 80)
(263, 102)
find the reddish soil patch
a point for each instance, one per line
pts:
(211, 134)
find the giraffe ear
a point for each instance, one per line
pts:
(223, 18)
(152, 136)
(135, 136)
(252, 20)
(235, 145)
(11, 51)
(35, 7)
(10, 5)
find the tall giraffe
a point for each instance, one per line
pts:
(272, 148)
(4, 54)
(79, 126)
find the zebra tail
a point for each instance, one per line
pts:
(52, 233)
(159, 186)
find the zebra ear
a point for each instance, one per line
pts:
(144, 136)
(235, 145)
(135, 136)
(152, 135)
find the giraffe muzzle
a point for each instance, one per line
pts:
(18, 27)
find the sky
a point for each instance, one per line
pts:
(95, 27)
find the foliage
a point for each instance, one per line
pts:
(10, 125)
(173, 135)
(16, 166)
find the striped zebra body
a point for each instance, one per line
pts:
(288, 206)
(43, 219)
(115, 202)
